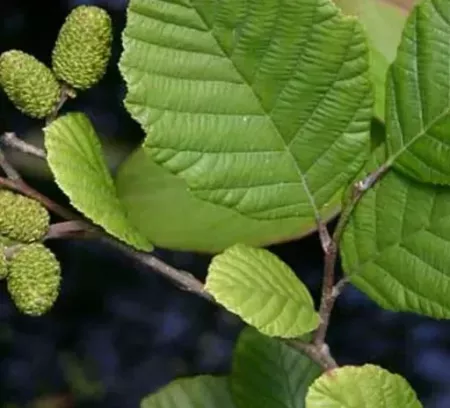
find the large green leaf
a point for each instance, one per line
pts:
(176, 219)
(384, 23)
(260, 288)
(203, 391)
(418, 95)
(75, 158)
(253, 103)
(368, 386)
(396, 246)
(268, 373)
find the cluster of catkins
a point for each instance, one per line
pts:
(79, 60)
(31, 270)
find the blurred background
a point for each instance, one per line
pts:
(118, 331)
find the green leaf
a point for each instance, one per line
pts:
(203, 391)
(75, 158)
(176, 219)
(384, 23)
(253, 103)
(396, 246)
(256, 285)
(368, 386)
(418, 96)
(267, 372)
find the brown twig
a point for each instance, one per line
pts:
(11, 140)
(327, 299)
(183, 279)
(9, 170)
(339, 287)
(21, 187)
(66, 93)
(324, 235)
(321, 355)
(330, 291)
(70, 229)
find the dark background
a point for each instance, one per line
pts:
(119, 331)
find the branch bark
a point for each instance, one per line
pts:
(11, 140)
(330, 291)
(9, 170)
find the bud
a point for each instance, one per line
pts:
(3, 263)
(34, 279)
(83, 47)
(28, 83)
(21, 218)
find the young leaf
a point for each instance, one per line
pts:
(368, 386)
(263, 291)
(266, 369)
(203, 391)
(418, 89)
(396, 246)
(253, 103)
(76, 161)
(384, 23)
(176, 219)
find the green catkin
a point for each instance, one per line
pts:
(83, 47)
(34, 279)
(22, 219)
(3, 263)
(28, 83)
(7, 241)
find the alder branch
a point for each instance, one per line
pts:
(321, 355)
(21, 187)
(77, 229)
(180, 278)
(330, 291)
(11, 140)
(9, 170)
(75, 226)
(327, 299)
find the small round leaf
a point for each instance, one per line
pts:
(368, 386)
(263, 291)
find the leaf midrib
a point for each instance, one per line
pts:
(229, 288)
(266, 114)
(421, 133)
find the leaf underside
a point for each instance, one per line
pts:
(222, 89)
(267, 371)
(76, 160)
(176, 219)
(383, 22)
(260, 288)
(418, 95)
(203, 391)
(368, 386)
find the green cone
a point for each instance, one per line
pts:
(22, 219)
(28, 83)
(34, 279)
(83, 47)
